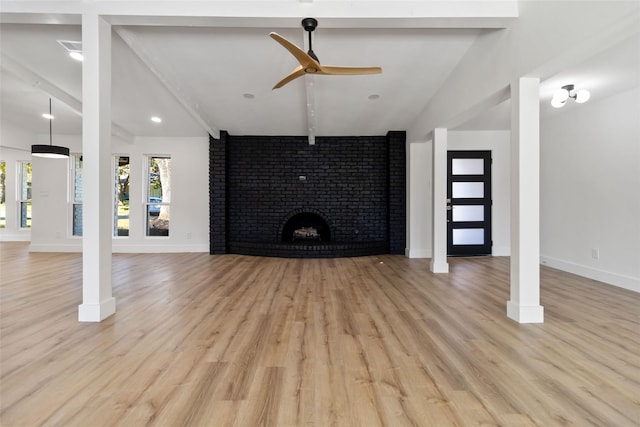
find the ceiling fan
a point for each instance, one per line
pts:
(309, 63)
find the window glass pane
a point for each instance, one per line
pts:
(77, 191)
(25, 214)
(158, 195)
(24, 193)
(121, 203)
(468, 213)
(468, 236)
(157, 220)
(25, 175)
(3, 201)
(159, 179)
(77, 219)
(467, 190)
(467, 166)
(77, 179)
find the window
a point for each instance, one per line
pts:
(121, 199)
(24, 193)
(3, 192)
(76, 191)
(158, 195)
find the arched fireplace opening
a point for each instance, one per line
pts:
(306, 227)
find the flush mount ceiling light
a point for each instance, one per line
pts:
(49, 151)
(156, 119)
(562, 95)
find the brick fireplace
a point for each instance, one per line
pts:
(350, 191)
(305, 225)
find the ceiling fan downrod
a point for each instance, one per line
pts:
(310, 24)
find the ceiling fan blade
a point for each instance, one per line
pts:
(310, 65)
(303, 58)
(297, 72)
(348, 71)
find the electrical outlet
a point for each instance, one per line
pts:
(595, 253)
(188, 236)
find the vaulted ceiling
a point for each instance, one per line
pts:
(208, 73)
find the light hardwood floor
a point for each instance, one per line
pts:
(204, 340)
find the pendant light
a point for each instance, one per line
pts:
(50, 151)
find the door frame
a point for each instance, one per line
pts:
(470, 250)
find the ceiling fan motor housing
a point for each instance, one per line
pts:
(309, 24)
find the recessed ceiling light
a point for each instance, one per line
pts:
(47, 116)
(374, 96)
(248, 95)
(76, 55)
(156, 119)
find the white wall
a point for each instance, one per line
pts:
(590, 190)
(189, 224)
(420, 188)
(15, 146)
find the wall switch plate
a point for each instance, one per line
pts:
(595, 253)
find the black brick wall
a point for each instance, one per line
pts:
(348, 180)
(217, 194)
(396, 143)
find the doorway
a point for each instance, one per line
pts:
(468, 203)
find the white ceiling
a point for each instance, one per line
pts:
(197, 77)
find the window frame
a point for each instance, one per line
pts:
(72, 195)
(115, 159)
(20, 191)
(3, 191)
(147, 195)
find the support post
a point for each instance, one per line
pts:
(97, 300)
(439, 202)
(524, 304)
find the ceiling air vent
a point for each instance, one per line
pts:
(71, 46)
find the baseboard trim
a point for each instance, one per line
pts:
(124, 249)
(15, 237)
(619, 280)
(419, 253)
(96, 312)
(439, 267)
(525, 313)
(159, 249)
(55, 248)
(501, 251)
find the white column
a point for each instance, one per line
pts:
(409, 203)
(439, 202)
(524, 305)
(97, 300)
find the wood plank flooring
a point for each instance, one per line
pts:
(200, 340)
